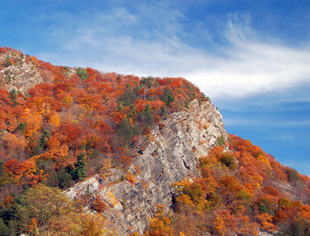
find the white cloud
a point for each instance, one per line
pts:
(270, 122)
(243, 68)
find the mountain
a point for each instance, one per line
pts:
(136, 156)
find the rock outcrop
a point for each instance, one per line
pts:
(171, 154)
(22, 75)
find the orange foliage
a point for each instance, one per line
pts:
(270, 191)
(219, 225)
(98, 204)
(266, 221)
(126, 161)
(8, 201)
(83, 116)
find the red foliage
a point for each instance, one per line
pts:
(66, 116)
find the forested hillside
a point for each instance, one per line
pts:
(61, 125)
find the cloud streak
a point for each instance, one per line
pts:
(241, 68)
(266, 123)
(252, 59)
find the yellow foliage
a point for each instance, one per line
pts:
(135, 234)
(33, 122)
(68, 100)
(202, 205)
(54, 119)
(49, 212)
(264, 160)
(130, 178)
(111, 199)
(185, 199)
(180, 185)
(106, 164)
(219, 225)
(8, 178)
(265, 220)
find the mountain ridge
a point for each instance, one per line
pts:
(154, 150)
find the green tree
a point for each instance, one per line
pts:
(220, 141)
(149, 118)
(297, 229)
(292, 175)
(147, 81)
(4, 229)
(228, 160)
(82, 73)
(124, 130)
(44, 210)
(21, 127)
(13, 97)
(128, 97)
(163, 111)
(2, 168)
(132, 111)
(7, 61)
(79, 173)
(44, 138)
(63, 178)
(168, 96)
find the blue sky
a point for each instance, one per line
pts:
(251, 57)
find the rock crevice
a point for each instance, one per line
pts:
(171, 154)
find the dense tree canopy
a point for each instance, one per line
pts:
(80, 121)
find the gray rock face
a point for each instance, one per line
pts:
(22, 75)
(170, 155)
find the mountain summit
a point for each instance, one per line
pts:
(90, 153)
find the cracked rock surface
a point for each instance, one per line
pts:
(171, 154)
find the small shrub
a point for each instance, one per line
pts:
(220, 141)
(99, 205)
(292, 175)
(228, 160)
(188, 128)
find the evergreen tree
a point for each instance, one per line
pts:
(79, 173)
(163, 111)
(63, 178)
(13, 96)
(132, 110)
(149, 118)
(128, 97)
(44, 139)
(4, 230)
(21, 127)
(82, 73)
(168, 96)
(125, 130)
(297, 229)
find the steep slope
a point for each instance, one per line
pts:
(168, 158)
(151, 155)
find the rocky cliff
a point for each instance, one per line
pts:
(171, 154)
(20, 73)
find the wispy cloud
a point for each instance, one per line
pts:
(252, 59)
(244, 67)
(282, 138)
(266, 123)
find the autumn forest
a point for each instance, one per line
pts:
(79, 122)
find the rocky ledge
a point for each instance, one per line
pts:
(22, 75)
(171, 154)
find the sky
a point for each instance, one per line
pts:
(252, 58)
